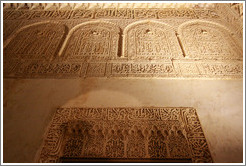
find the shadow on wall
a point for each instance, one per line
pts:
(30, 104)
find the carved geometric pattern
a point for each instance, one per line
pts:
(39, 41)
(94, 38)
(207, 40)
(125, 133)
(150, 39)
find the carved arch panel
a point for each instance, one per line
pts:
(150, 39)
(92, 39)
(39, 41)
(208, 40)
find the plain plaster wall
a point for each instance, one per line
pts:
(28, 105)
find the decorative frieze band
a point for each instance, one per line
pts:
(175, 69)
(74, 6)
(113, 13)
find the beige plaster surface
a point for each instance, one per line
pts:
(28, 105)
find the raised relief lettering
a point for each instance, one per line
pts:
(207, 40)
(150, 39)
(92, 39)
(125, 133)
(39, 41)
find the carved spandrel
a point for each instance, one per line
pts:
(238, 8)
(135, 133)
(227, 13)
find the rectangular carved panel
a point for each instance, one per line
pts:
(174, 69)
(123, 13)
(125, 134)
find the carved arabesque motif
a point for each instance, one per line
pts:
(150, 39)
(92, 39)
(125, 133)
(232, 14)
(39, 41)
(207, 40)
(93, 49)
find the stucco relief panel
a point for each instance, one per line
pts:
(125, 133)
(150, 40)
(95, 39)
(40, 41)
(208, 40)
(145, 49)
